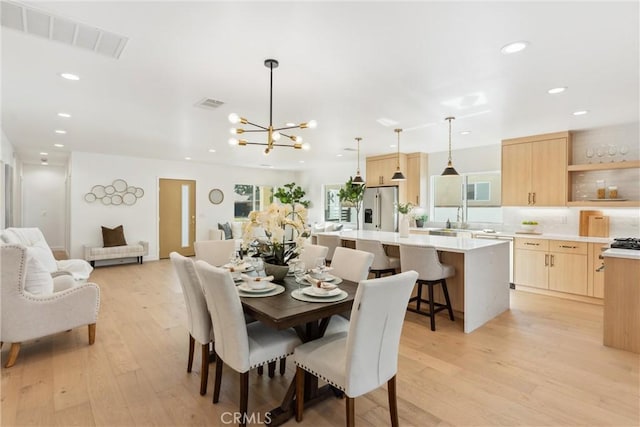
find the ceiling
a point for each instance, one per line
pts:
(346, 65)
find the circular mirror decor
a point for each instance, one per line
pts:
(109, 189)
(216, 196)
(90, 197)
(120, 185)
(98, 190)
(129, 198)
(116, 199)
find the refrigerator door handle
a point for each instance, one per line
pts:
(378, 212)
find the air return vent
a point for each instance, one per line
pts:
(209, 103)
(41, 23)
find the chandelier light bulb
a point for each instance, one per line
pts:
(275, 136)
(233, 131)
(311, 124)
(234, 118)
(233, 141)
(306, 146)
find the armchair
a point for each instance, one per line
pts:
(26, 316)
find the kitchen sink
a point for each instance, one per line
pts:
(451, 232)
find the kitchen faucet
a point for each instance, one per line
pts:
(460, 218)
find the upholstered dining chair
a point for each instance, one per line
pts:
(310, 254)
(198, 318)
(240, 346)
(382, 263)
(367, 356)
(351, 264)
(27, 316)
(215, 252)
(431, 272)
(331, 241)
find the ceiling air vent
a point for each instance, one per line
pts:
(209, 103)
(350, 149)
(41, 23)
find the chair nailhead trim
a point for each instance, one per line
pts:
(275, 359)
(322, 377)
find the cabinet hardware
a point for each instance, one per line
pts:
(552, 256)
(599, 269)
(529, 199)
(417, 201)
(546, 260)
(531, 244)
(534, 198)
(568, 247)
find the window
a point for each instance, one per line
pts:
(473, 197)
(334, 211)
(248, 197)
(479, 191)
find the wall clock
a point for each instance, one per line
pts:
(216, 196)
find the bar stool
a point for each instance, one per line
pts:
(382, 263)
(331, 241)
(424, 260)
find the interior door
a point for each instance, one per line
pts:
(177, 227)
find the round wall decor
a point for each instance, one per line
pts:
(216, 196)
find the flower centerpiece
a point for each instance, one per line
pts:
(284, 232)
(403, 227)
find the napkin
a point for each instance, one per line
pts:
(248, 278)
(319, 283)
(236, 267)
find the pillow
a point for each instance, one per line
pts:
(338, 227)
(329, 227)
(63, 282)
(236, 229)
(318, 227)
(228, 235)
(38, 280)
(113, 237)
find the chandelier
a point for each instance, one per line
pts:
(273, 134)
(449, 170)
(398, 175)
(358, 178)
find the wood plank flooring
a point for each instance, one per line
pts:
(540, 364)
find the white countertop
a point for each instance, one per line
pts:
(622, 253)
(441, 243)
(549, 236)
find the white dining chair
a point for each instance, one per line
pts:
(382, 263)
(331, 241)
(367, 356)
(351, 264)
(240, 346)
(310, 254)
(198, 318)
(431, 272)
(215, 252)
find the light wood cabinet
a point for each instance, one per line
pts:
(417, 179)
(595, 270)
(380, 169)
(621, 325)
(557, 265)
(534, 170)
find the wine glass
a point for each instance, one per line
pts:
(589, 153)
(624, 149)
(612, 151)
(321, 265)
(601, 151)
(299, 271)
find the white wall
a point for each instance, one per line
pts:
(7, 157)
(140, 219)
(44, 201)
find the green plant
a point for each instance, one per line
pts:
(529, 222)
(351, 195)
(291, 194)
(404, 208)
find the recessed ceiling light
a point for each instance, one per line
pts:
(65, 115)
(187, 158)
(301, 161)
(393, 146)
(60, 131)
(44, 154)
(70, 76)
(44, 163)
(580, 113)
(465, 132)
(557, 90)
(514, 47)
(338, 155)
(58, 145)
(211, 150)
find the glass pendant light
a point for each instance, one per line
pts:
(449, 170)
(398, 176)
(358, 179)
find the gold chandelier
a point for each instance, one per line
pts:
(273, 134)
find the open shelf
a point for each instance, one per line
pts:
(604, 166)
(607, 204)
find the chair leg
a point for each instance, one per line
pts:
(283, 365)
(272, 369)
(13, 354)
(431, 308)
(244, 397)
(393, 401)
(192, 344)
(92, 333)
(204, 370)
(299, 393)
(446, 298)
(419, 296)
(351, 412)
(218, 380)
(260, 370)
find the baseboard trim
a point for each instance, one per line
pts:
(573, 297)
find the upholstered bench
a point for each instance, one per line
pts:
(137, 250)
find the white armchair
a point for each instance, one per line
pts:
(33, 238)
(26, 316)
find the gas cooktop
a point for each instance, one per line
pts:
(628, 243)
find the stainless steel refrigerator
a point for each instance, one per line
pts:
(380, 211)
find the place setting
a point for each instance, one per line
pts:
(320, 285)
(257, 286)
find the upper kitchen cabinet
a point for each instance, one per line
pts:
(381, 168)
(534, 170)
(417, 178)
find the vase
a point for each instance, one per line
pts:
(404, 226)
(279, 272)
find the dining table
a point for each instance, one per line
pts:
(310, 320)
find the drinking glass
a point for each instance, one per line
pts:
(321, 265)
(299, 271)
(259, 266)
(589, 153)
(612, 151)
(624, 149)
(601, 151)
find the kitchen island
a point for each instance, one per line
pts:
(479, 290)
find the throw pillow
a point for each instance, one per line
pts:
(338, 227)
(63, 282)
(228, 234)
(38, 280)
(113, 237)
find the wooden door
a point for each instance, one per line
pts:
(373, 173)
(568, 273)
(549, 172)
(530, 268)
(177, 229)
(516, 174)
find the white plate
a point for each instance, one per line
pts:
(312, 291)
(244, 287)
(299, 295)
(333, 279)
(239, 268)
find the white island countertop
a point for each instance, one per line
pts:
(622, 253)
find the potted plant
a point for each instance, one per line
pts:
(351, 195)
(404, 209)
(529, 226)
(291, 194)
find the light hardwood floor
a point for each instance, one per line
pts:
(540, 364)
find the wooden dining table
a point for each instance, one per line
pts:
(310, 320)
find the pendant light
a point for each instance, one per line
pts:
(398, 176)
(358, 179)
(449, 170)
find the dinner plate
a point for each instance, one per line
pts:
(312, 291)
(244, 287)
(278, 289)
(241, 268)
(334, 280)
(299, 295)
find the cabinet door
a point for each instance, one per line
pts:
(413, 179)
(595, 278)
(388, 168)
(530, 268)
(516, 174)
(373, 173)
(549, 172)
(568, 273)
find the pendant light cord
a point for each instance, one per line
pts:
(398, 157)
